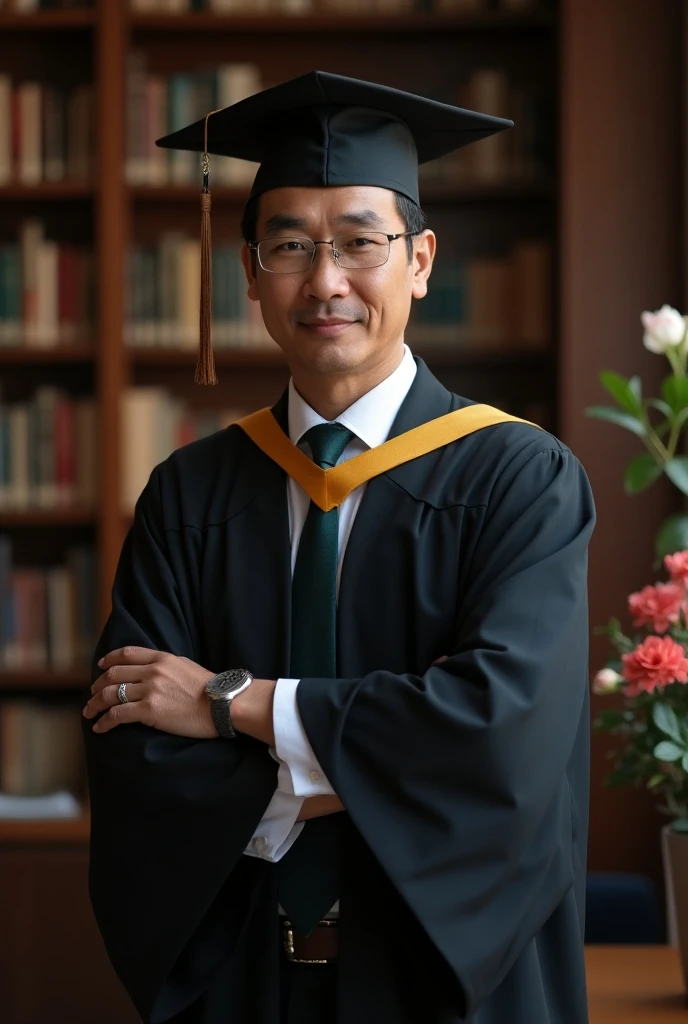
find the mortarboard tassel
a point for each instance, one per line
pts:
(205, 367)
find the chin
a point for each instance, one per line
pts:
(339, 355)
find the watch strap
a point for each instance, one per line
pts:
(222, 718)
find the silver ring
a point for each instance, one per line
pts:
(122, 693)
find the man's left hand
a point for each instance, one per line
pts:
(164, 691)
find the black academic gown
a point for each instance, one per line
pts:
(465, 783)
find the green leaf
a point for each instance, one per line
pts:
(675, 392)
(640, 473)
(666, 721)
(672, 536)
(684, 763)
(622, 419)
(609, 719)
(677, 471)
(627, 393)
(635, 386)
(663, 407)
(667, 751)
(680, 825)
(656, 780)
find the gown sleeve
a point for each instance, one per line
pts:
(456, 779)
(170, 815)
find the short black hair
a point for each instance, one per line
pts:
(411, 214)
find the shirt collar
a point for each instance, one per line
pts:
(370, 418)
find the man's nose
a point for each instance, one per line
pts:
(325, 278)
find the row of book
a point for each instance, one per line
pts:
(343, 6)
(154, 422)
(47, 613)
(48, 451)
(46, 132)
(502, 301)
(41, 747)
(163, 296)
(31, 6)
(47, 290)
(159, 104)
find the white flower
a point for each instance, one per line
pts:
(664, 329)
(607, 681)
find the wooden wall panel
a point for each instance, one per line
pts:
(621, 253)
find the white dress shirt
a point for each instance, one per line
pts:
(300, 775)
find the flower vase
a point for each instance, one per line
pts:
(675, 858)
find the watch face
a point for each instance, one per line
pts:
(228, 681)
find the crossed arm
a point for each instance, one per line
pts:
(167, 692)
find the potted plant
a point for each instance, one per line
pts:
(649, 669)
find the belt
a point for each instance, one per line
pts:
(320, 947)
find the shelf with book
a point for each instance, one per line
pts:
(45, 191)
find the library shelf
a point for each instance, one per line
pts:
(64, 515)
(389, 24)
(78, 17)
(46, 190)
(252, 358)
(49, 830)
(22, 354)
(430, 192)
(77, 678)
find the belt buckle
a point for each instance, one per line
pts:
(289, 942)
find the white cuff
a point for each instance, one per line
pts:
(277, 829)
(299, 772)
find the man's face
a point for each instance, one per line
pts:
(330, 319)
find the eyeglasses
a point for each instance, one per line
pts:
(355, 251)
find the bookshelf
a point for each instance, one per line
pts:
(419, 51)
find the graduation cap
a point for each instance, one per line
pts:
(324, 130)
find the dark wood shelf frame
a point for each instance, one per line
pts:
(60, 831)
(77, 678)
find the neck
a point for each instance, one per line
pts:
(330, 394)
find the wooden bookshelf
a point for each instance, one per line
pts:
(67, 515)
(330, 22)
(21, 355)
(48, 20)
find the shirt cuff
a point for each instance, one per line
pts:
(299, 772)
(277, 829)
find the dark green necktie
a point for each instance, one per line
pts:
(308, 874)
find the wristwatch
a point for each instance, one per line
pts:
(221, 691)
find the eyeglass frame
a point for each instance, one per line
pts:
(253, 246)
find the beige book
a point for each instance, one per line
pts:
(156, 127)
(60, 627)
(489, 92)
(189, 289)
(235, 82)
(30, 156)
(14, 746)
(47, 307)
(6, 171)
(139, 447)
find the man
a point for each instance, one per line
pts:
(381, 816)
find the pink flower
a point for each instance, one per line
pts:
(677, 567)
(658, 606)
(655, 662)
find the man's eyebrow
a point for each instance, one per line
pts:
(289, 222)
(361, 219)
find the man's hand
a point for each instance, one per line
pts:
(317, 806)
(163, 691)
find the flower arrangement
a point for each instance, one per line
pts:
(650, 672)
(666, 333)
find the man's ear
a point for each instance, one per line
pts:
(248, 260)
(423, 256)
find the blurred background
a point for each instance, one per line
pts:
(552, 239)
